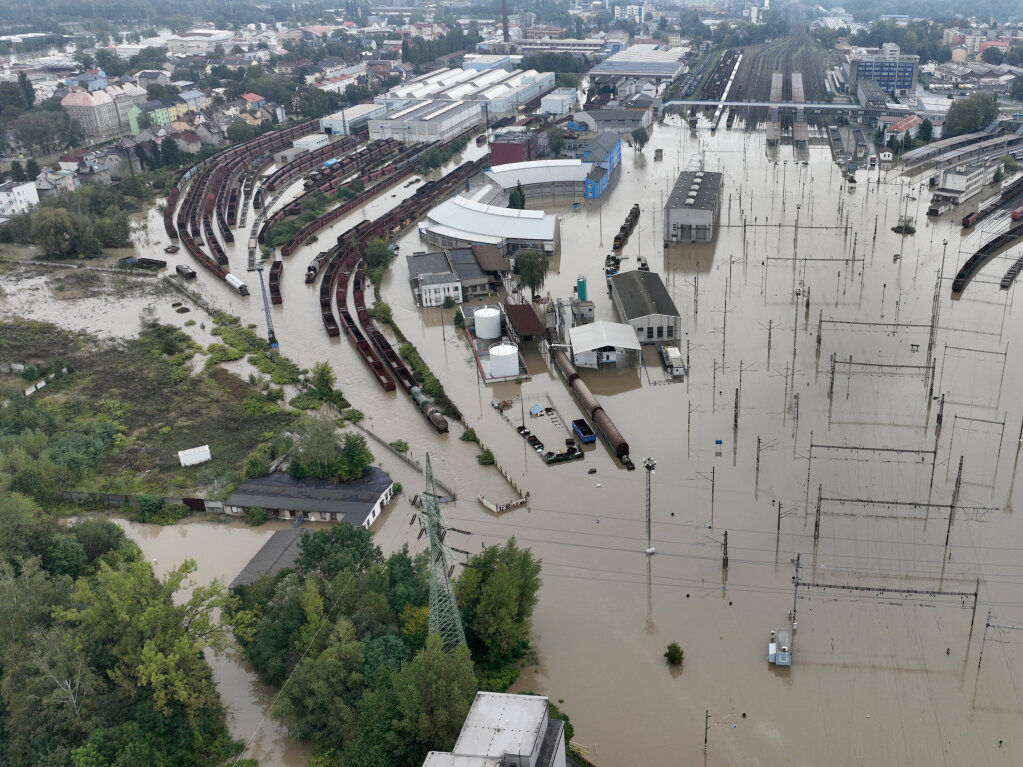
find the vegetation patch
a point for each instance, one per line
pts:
(431, 386)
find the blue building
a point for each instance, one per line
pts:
(894, 73)
(604, 153)
(90, 79)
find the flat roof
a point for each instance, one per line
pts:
(597, 335)
(500, 723)
(490, 221)
(642, 293)
(709, 187)
(279, 552)
(524, 320)
(537, 172)
(643, 60)
(465, 263)
(428, 263)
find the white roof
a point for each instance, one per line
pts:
(597, 335)
(538, 172)
(501, 723)
(481, 220)
(462, 234)
(194, 455)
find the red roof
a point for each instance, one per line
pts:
(187, 136)
(252, 97)
(905, 124)
(524, 320)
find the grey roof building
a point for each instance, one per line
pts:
(642, 301)
(358, 501)
(433, 278)
(691, 209)
(473, 280)
(279, 552)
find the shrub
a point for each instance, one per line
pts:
(675, 654)
(255, 516)
(486, 458)
(307, 400)
(469, 435)
(396, 490)
(459, 321)
(449, 302)
(352, 415)
(400, 445)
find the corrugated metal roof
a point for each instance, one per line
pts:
(597, 335)
(537, 172)
(489, 223)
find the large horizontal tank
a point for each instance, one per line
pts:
(504, 360)
(488, 322)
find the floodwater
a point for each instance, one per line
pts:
(886, 675)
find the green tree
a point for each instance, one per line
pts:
(18, 172)
(531, 266)
(640, 136)
(1017, 88)
(125, 614)
(240, 131)
(26, 89)
(170, 152)
(517, 197)
(555, 140)
(321, 453)
(323, 378)
(926, 130)
(32, 169)
(337, 549)
(433, 695)
(992, 55)
(54, 230)
(970, 114)
(675, 654)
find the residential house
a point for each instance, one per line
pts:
(175, 107)
(188, 142)
(906, 129)
(209, 133)
(195, 99)
(252, 101)
(152, 77)
(16, 197)
(56, 181)
(148, 114)
(300, 67)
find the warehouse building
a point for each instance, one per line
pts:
(691, 210)
(513, 146)
(459, 222)
(648, 62)
(542, 179)
(350, 119)
(501, 92)
(427, 121)
(642, 301)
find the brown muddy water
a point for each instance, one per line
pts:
(879, 676)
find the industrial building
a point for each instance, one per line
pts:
(501, 91)
(871, 98)
(433, 279)
(427, 121)
(458, 222)
(958, 184)
(611, 120)
(894, 73)
(652, 63)
(350, 119)
(559, 101)
(542, 179)
(602, 343)
(505, 729)
(513, 146)
(642, 301)
(691, 210)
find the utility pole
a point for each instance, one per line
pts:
(649, 464)
(724, 553)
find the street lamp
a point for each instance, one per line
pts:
(649, 464)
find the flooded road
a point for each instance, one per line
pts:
(888, 674)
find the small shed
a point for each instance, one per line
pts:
(523, 321)
(599, 343)
(194, 455)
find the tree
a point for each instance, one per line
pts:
(84, 59)
(640, 136)
(970, 114)
(32, 169)
(337, 549)
(1017, 87)
(433, 695)
(555, 140)
(992, 55)
(517, 197)
(378, 253)
(320, 453)
(18, 172)
(170, 152)
(1014, 55)
(926, 130)
(675, 654)
(240, 131)
(323, 378)
(53, 230)
(531, 266)
(26, 89)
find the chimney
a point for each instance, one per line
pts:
(504, 19)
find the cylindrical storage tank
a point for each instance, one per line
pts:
(611, 433)
(580, 288)
(504, 359)
(488, 322)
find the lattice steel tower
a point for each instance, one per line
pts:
(445, 619)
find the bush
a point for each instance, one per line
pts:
(352, 415)
(459, 320)
(400, 445)
(486, 458)
(675, 654)
(307, 400)
(396, 490)
(449, 302)
(469, 435)
(256, 516)
(154, 510)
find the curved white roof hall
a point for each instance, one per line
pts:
(538, 172)
(479, 220)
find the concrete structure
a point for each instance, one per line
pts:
(691, 210)
(559, 101)
(358, 501)
(17, 197)
(602, 343)
(459, 222)
(426, 121)
(349, 119)
(959, 184)
(104, 114)
(652, 63)
(513, 147)
(642, 301)
(502, 729)
(629, 13)
(199, 41)
(893, 72)
(432, 278)
(871, 98)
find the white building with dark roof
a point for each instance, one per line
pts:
(691, 210)
(17, 197)
(643, 301)
(503, 729)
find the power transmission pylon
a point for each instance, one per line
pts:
(445, 619)
(266, 310)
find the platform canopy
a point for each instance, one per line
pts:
(597, 335)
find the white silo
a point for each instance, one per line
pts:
(488, 322)
(504, 360)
